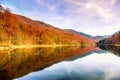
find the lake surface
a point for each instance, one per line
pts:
(61, 63)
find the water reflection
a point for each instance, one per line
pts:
(16, 63)
(111, 48)
(97, 66)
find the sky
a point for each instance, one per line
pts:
(94, 17)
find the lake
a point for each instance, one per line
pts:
(61, 63)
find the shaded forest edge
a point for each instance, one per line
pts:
(17, 30)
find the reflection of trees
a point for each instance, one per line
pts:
(3, 75)
(111, 48)
(22, 61)
(57, 50)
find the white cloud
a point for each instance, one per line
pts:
(102, 12)
(91, 8)
(113, 2)
(52, 7)
(41, 2)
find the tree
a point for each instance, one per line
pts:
(83, 42)
(1, 9)
(22, 27)
(57, 40)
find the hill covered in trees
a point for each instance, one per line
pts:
(113, 40)
(20, 30)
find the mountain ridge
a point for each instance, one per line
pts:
(97, 38)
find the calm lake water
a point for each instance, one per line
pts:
(61, 63)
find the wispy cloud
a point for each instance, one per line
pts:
(91, 8)
(51, 6)
(46, 5)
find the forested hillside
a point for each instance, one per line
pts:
(114, 39)
(19, 30)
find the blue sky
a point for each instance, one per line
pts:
(95, 17)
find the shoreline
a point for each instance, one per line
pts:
(10, 47)
(110, 44)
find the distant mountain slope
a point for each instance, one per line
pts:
(96, 38)
(18, 30)
(80, 33)
(100, 37)
(114, 39)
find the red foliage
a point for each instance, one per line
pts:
(47, 34)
